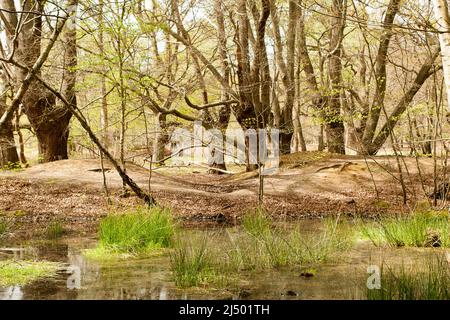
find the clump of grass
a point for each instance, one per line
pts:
(190, 263)
(13, 272)
(102, 253)
(137, 231)
(431, 282)
(257, 222)
(417, 230)
(264, 246)
(336, 237)
(259, 245)
(54, 230)
(5, 226)
(195, 262)
(12, 166)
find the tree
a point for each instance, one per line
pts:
(284, 120)
(24, 34)
(8, 151)
(369, 139)
(442, 13)
(333, 121)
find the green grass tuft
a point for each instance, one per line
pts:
(428, 282)
(137, 231)
(14, 272)
(190, 263)
(195, 262)
(257, 222)
(266, 246)
(417, 230)
(54, 230)
(259, 245)
(5, 226)
(102, 253)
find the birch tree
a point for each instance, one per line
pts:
(442, 13)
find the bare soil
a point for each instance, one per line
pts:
(310, 184)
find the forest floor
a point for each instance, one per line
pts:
(310, 184)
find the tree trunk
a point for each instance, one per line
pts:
(320, 139)
(22, 157)
(8, 151)
(104, 123)
(423, 74)
(48, 119)
(288, 71)
(225, 111)
(442, 13)
(52, 140)
(334, 124)
(318, 100)
(380, 75)
(162, 138)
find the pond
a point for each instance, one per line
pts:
(151, 277)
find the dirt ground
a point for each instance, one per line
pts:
(307, 185)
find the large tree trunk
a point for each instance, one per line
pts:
(53, 133)
(380, 75)
(49, 120)
(334, 125)
(162, 138)
(318, 100)
(53, 140)
(288, 73)
(225, 111)
(8, 151)
(442, 13)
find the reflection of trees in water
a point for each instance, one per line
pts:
(52, 251)
(123, 283)
(49, 289)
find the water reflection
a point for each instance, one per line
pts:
(150, 278)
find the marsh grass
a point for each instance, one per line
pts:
(134, 232)
(258, 245)
(190, 262)
(103, 253)
(416, 230)
(54, 230)
(257, 222)
(265, 245)
(430, 281)
(6, 225)
(196, 262)
(14, 272)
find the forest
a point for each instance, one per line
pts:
(199, 149)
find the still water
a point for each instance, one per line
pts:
(150, 278)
